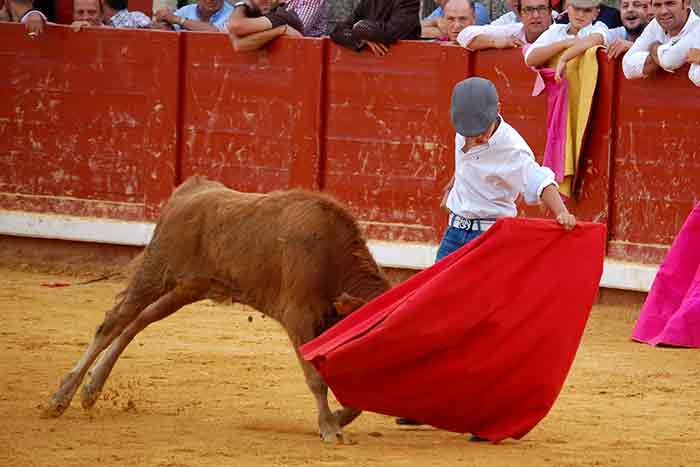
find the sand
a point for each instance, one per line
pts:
(217, 385)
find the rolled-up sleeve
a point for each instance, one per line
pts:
(635, 58)
(468, 34)
(536, 178)
(694, 74)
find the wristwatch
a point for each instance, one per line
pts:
(237, 4)
(181, 21)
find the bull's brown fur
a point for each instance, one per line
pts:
(296, 256)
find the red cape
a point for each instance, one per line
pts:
(481, 342)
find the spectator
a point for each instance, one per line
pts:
(255, 23)
(536, 18)
(313, 16)
(635, 15)
(117, 15)
(662, 43)
(205, 15)
(87, 13)
(513, 16)
(570, 40)
(22, 11)
(481, 15)
(607, 15)
(458, 15)
(378, 24)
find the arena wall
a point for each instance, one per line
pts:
(97, 127)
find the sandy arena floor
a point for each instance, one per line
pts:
(211, 387)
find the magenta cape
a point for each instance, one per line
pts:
(671, 312)
(479, 343)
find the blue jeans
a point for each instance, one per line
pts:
(454, 239)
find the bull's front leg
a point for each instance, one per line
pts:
(328, 423)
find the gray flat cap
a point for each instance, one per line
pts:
(474, 106)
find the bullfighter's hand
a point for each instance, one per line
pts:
(693, 56)
(566, 220)
(34, 25)
(618, 48)
(377, 48)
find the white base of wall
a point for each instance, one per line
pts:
(616, 274)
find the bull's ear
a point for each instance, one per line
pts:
(346, 304)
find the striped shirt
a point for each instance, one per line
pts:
(313, 14)
(130, 20)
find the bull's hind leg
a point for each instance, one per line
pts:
(138, 295)
(183, 294)
(115, 321)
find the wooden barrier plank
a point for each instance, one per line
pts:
(88, 128)
(657, 163)
(252, 120)
(385, 146)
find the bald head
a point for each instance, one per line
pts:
(458, 15)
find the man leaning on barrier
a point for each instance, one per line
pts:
(661, 46)
(536, 17)
(205, 15)
(635, 17)
(254, 23)
(458, 15)
(376, 24)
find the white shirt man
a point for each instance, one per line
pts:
(487, 187)
(671, 53)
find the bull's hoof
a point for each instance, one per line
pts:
(54, 409)
(337, 437)
(89, 396)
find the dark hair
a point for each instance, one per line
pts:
(520, 5)
(470, 2)
(117, 4)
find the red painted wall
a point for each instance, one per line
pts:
(88, 121)
(105, 123)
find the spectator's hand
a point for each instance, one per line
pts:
(377, 48)
(561, 69)
(166, 15)
(566, 220)
(693, 56)
(291, 32)
(618, 48)
(34, 24)
(78, 26)
(442, 25)
(508, 42)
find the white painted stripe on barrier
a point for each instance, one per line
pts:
(406, 255)
(84, 229)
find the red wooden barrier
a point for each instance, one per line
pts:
(389, 142)
(88, 121)
(104, 123)
(252, 120)
(657, 163)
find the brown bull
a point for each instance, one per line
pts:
(296, 256)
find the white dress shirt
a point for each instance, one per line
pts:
(468, 34)
(617, 33)
(672, 53)
(691, 40)
(490, 177)
(511, 17)
(560, 32)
